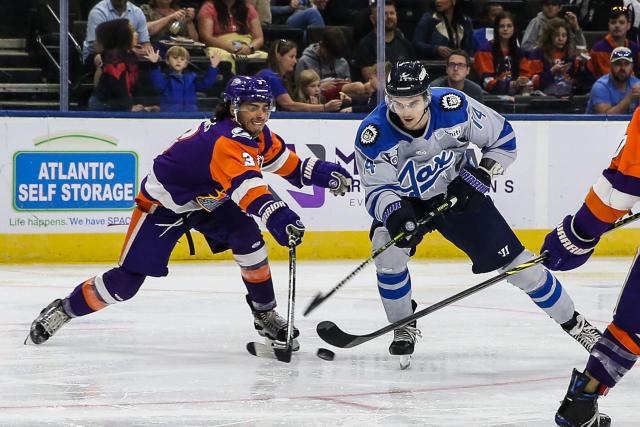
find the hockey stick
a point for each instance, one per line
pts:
(283, 354)
(332, 334)
(320, 298)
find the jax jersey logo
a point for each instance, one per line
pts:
(417, 181)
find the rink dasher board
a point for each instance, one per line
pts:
(69, 182)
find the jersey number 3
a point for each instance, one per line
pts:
(248, 160)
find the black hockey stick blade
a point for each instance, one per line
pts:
(273, 351)
(332, 334)
(320, 298)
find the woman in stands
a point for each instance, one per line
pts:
(232, 27)
(497, 62)
(437, 34)
(165, 18)
(553, 66)
(279, 73)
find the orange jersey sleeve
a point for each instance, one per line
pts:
(278, 158)
(618, 188)
(235, 167)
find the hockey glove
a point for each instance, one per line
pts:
(399, 217)
(326, 174)
(282, 223)
(566, 249)
(469, 182)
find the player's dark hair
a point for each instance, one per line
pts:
(514, 51)
(222, 111)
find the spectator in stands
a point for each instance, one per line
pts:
(437, 34)
(178, 87)
(233, 27)
(308, 88)
(300, 13)
(279, 73)
(483, 30)
(619, 91)
(397, 47)
(165, 18)
(498, 62)
(619, 24)
(553, 67)
(117, 86)
(263, 7)
(550, 10)
(458, 68)
(327, 59)
(108, 10)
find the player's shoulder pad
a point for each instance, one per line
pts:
(448, 106)
(375, 133)
(231, 130)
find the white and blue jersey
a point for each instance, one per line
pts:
(394, 164)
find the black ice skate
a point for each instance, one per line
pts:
(579, 408)
(404, 340)
(50, 319)
(582, 331)
(272, 326)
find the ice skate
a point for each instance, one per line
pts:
(579, 408)
(50, 319)
(404, 340)
(582, 331)
(273, 327)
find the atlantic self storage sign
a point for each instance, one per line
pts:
(74, 180)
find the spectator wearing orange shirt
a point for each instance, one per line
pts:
(619, 25)
(553, 67)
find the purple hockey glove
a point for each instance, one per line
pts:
(282, 223)
(326, 174)
(566, 250)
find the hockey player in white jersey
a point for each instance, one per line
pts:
(411, 153)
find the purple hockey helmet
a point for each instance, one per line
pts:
(244, 89)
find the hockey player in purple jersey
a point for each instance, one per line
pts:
(411, 153)
(208, 180)
(569, 246)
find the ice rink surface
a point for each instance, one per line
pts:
(175, 354)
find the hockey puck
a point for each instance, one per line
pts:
(326, 354)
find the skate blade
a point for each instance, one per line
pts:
(405, 361)
(295, 345)
(29, 341)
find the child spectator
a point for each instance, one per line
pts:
(553, 67)
(308, 88)
(118, 81)
(497, 62)
(178, 87)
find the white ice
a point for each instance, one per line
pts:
(175, 354)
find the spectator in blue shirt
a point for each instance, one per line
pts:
(108, 10)
(619, 91)
(178, 88)
(281, 63)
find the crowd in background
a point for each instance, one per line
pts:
(320, 55)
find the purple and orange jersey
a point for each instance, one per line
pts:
(215, 162)
(600, 62)
(618, 189)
